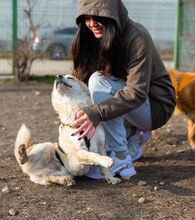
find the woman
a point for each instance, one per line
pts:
(129, 85)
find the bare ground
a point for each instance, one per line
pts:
(168, 169)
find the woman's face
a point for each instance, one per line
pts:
(96, 27)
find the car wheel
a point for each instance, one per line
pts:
(56, 52)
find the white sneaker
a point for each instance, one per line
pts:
(118, 164)
(128, 172)
(94, 173)
(139, 153)
(122, 167)
(136, 150)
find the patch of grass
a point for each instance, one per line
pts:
(48, 79)
(166, 55)
(6, 76)
(44, 79)
(6, 55)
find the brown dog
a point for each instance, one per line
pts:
(184, 84)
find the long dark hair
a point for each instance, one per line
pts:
(90, 54)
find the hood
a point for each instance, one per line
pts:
(114, 9)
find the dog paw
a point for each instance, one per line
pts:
(23, 158)
(113, 180)
(65, 181)
(69, 182)
(193, 147)
(106, 161)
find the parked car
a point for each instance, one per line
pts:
(54, 43)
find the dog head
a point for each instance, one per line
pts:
(184, 84)
(175, 76)
(69, 95)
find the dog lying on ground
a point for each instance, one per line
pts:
(184, 84)
(40, 161)
(48, 163)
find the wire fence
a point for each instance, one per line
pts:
(186, 36)
(48, 19)
(5, 26)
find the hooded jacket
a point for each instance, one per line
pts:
(147, 76)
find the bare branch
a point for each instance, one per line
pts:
(25, 55)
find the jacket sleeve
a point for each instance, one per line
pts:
(133, 94)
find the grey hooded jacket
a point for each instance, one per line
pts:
(147, 75)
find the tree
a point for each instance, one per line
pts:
(24, 51)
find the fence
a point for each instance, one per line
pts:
(158, 16)
(185, 43)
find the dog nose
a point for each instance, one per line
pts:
(59, 77)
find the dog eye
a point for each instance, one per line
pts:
(70, 78)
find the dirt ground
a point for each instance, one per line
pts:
(167, 170)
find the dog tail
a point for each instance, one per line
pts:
(21, 144)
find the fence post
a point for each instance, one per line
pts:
(177, 34)
(14, 35)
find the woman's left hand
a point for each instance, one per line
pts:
(84, 124)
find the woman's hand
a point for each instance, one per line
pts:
(83, 123)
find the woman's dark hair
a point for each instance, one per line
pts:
(90, 54)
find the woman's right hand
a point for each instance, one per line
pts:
(84, 124)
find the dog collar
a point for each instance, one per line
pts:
(59, 158)
(87, 141)
(61, 149)
(58, 154)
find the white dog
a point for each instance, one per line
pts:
(48, 163)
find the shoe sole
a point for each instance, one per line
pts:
(131, 172)
(98, 176)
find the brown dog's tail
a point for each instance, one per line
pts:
(21, 144)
